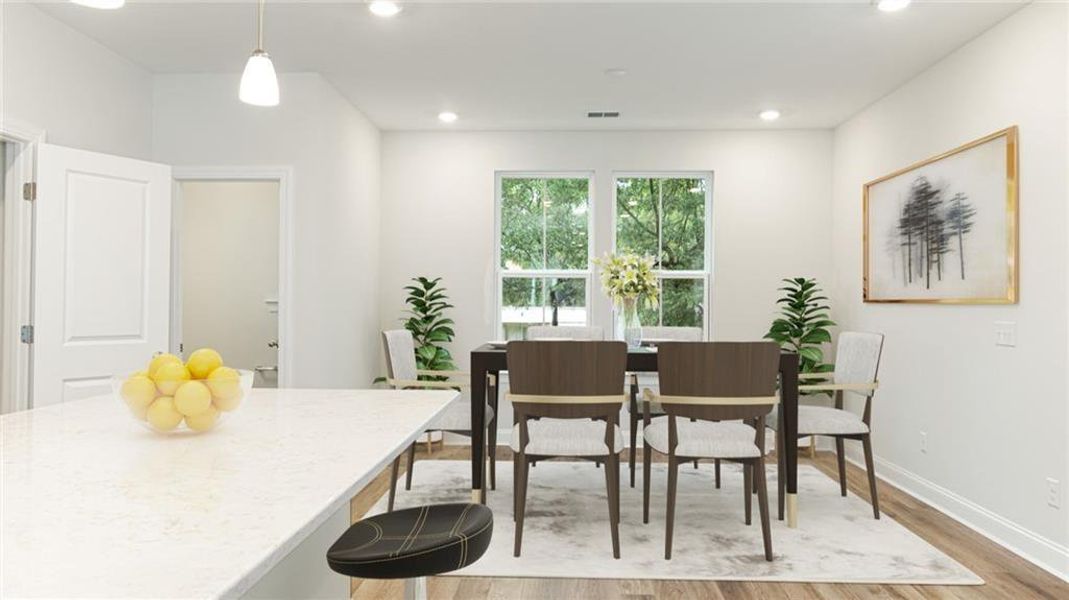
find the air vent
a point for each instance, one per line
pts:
(603, 114)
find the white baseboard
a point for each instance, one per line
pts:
(1042, 552)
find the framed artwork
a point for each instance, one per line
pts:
(944, 230)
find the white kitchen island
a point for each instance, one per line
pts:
(95, 505)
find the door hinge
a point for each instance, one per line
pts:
(27, 334)
(29, 191)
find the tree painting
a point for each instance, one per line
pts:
(945, 229)
(926, 224)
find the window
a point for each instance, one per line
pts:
(544, 246)
(668, 217)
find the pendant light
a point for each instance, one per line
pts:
(259, 85)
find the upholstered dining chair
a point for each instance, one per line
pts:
(857, 363)
(402, 374)
(566, 398)
(715, 396)
(565, 332)
(658, 334)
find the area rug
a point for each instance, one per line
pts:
(566, 532)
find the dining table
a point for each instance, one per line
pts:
(488, 361)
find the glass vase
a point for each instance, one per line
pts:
(630, 326)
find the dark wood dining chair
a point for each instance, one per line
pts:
(402, 374)
(715, 396)
(566, 398)
(634, 413)
(857, 364)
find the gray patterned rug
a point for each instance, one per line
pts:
(566, 533)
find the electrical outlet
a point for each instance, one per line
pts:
(1054, 493)
(924, 442)
(1006, 334)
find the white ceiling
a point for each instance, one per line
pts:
(540, 65)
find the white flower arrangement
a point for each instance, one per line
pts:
(628, 277)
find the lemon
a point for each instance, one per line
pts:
(138, 391)
(159, 360)
(203, 421)
(162, 414)
(225, 384)
(202, 362)
(170, 376)
(138, 411)
(192, 398)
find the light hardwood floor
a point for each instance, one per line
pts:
(1007, 575)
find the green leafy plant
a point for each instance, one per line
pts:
(803, 324)
(430, 328)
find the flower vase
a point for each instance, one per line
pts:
(630, 326)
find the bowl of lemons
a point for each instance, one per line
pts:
(172, 396)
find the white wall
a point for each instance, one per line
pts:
(81, 93)
(771, 196)
(334, 151)
(996, 418)
(229, 237)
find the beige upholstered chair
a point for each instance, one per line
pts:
(658, 333)
(402, 374)
(565, 332)
(566, 398)
(674, 334)
(857, 362)
(716, 396)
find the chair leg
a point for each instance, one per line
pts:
(631, 452)
(521, 504)
(491, 441)
(411, 463)
(515, 482)
(866, 442)
(647, 453)
(393, 482)
(762, 505)
(747, 485)
(840, 454)
(716, 464)
(670, 514)
(612, 486)
(416, 588)
(781, 472)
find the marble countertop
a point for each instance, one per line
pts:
(95, 505)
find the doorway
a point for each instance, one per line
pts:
(227, 272)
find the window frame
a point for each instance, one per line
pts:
(501, 273)
(706, 274)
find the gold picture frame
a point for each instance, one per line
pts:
(895, 282)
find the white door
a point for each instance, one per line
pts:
(102, 270)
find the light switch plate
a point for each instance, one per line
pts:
(1006, 334)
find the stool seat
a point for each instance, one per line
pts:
(413, 542)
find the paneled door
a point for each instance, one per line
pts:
(102, 270)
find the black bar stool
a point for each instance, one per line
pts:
(413, 543)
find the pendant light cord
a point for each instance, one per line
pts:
(260, 27)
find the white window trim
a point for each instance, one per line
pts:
(706, 274)
(501, 273)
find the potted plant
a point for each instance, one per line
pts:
(430, 328)
(630, 283)
(802, 326)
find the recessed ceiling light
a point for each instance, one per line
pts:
(384, 8)
(103, 4)
(616, 72)
(891, 5)
(770, 114)
(447, 116)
